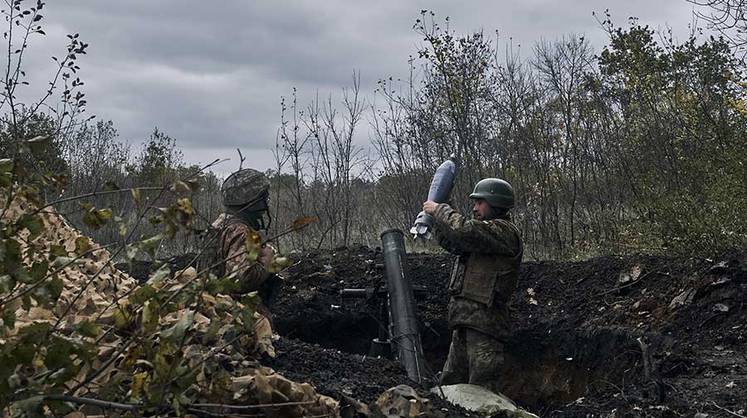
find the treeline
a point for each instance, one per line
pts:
(639, 147)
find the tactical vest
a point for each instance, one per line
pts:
(488, 279)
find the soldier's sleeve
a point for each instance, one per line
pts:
(251, 274)
(459, 235)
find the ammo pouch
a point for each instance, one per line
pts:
(481, 277)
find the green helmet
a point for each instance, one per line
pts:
(498, 193)
(245, 187)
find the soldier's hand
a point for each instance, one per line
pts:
(429, 207)
(266, 254)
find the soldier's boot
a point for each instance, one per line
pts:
(456, 368)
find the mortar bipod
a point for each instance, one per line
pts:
(379, 297)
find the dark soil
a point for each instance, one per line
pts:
(668, 342)
(585, 341)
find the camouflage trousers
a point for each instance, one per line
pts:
(474, 357)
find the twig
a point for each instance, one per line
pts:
(141, 215)
(94, 194)
(241, 158)
(202, 412)
(244, 407)
(286, 232)
(96, 373)
(95, 402)
(726, 410)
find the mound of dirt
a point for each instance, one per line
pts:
(632, 336)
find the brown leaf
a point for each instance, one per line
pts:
(303, 221)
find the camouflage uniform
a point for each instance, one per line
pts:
(244, 194)
(232, 248)
(482, 282)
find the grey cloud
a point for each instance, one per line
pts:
(210, 74)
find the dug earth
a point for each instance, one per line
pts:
(611, 336)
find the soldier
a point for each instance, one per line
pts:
(245, 196)
(484, 276)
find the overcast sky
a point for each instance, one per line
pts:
(211, 73)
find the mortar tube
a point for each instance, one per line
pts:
(403, 324)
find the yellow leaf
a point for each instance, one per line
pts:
(136, 195)
(253, 245)
(181, 187)
(150, 316)
(139, 385)
(82, 245)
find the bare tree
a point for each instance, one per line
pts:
(728, 17)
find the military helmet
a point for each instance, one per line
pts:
(498, 193)
(244, 187)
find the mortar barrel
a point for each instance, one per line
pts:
(403, 323)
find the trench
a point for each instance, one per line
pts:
(545, 368)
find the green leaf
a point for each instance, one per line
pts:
(6, 179)
(150, 316)
(139, 386)
(9, 318)
(6, 165)
(26, 302)
(105, 214)
(149, 245)
(10, 254)
(57, 251)
(58, 354)
(87, 328)
(251, 302)
(82, 245)
(122, 229)
(158, 276)
(131, 252)
(60, 262)
(23, 353)
(224, 285)
(121, 318)
(7, 283)
(177, 331)
(35, 333)
(33, 223)
(211, 335)
(142, 294)
(22, 275)
(110, 186)
(55, 286)
(161, 366)
(29, 408)
(136, 196)
(6, 172)
(39, 270)
(96, 218)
